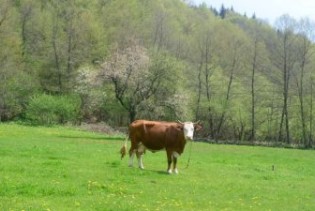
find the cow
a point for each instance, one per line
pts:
(156, 136)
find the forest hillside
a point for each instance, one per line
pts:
(116, 61)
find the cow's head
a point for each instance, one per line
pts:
(189, 128)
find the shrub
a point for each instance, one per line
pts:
(49, 109)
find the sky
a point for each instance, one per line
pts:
(268, 10)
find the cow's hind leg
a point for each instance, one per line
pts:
(169, 161)
(140, 151)
(132, 152)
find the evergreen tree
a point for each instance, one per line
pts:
(223, 11)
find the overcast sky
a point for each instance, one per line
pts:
(268, 10)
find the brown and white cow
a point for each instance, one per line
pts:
(155, 136)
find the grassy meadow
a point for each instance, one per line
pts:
(61, 168)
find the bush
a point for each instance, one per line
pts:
(49, 109)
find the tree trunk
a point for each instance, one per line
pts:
(254, 64)
(227, 98)
(57, 62)
(310, 142)
(286, 77)
(132, 114)
(301, 99)
(285, 102)
(199, 91)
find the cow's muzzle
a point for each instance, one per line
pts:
(189, 138)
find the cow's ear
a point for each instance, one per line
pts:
(197, 127)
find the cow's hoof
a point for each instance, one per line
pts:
(175, 171)
(141, 167)
(169, 171)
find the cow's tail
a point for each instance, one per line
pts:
(123, 149)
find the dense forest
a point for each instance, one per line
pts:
(115, 61)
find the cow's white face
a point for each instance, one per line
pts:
(188, 130)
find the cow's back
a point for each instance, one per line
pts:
(152, 134)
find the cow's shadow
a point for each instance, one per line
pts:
(151, 171)
(157, 171)
(117, 164)
(160, 172)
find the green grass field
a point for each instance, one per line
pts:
(59, 168)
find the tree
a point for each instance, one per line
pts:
(15, 84)
(285, 26)
(71, 37)
(257, 62)
(128, 70)
(223, 11)
(231, 60)
(253, 94)
(205, 66)
(304, 52)
(311, 112)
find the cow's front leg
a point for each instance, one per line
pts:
(169, 161)
(175, 155)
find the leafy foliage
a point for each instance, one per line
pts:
(47, 109)
(161, 60)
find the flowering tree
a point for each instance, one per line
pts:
(128, 70)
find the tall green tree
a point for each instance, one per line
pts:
(231, 47)
(15, 84)
(206, 65)
(304, 53)
(257, 62)
(70, 36)
(285, 62)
